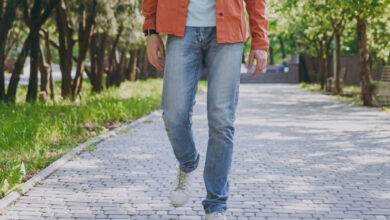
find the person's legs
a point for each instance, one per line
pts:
(182, 71)
(224, 63)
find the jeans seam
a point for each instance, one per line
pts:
(191, 101)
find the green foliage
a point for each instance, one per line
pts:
(307, 20)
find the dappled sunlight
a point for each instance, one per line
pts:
(274, 136)
(296, 160)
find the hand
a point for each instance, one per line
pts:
(154, 45)
(261, 60)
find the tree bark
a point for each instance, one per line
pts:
(327, 56)
(37, 20)
(282, 47)
(112, 57)
(119, 72)
(35, 23)
(96, 51)
(86, 27)
(13, 84)
(364, 56)
(337, 87)
(45, 70)
(65, 48)
(271, 55)
(322, 64)
(100, 58)
(32, 89)
(133, 65)
(6, 21)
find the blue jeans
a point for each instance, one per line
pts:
(185, 58)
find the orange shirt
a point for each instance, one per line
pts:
(169, 16)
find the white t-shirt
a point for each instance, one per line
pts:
(201, 13)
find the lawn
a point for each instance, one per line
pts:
(35, 135)
(350, 94)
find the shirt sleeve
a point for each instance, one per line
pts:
(149, 8)
(258, 24)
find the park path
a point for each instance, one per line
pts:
(298, 155)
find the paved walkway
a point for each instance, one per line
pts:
(298, 155)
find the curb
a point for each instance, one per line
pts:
(14, 195)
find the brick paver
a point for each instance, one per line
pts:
(298, 155)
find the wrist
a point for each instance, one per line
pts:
(148, 32)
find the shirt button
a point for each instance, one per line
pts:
(220, 13)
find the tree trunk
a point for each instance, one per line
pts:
(141, 63)
(96, 51)
(322, 65)
(133, 65)
(65, 49)
(327, 59)
(49, 62)
(364, 56)
(271, 56)
(122, 67)
(35, 21)
(119, 72)
(13, 84)
(100, 58)
(282, 47)
(91, 71)
(112, 57)
(86, 26)
(6, 21)
(45, 69)
(337, 90)
(32, 90)
(146, 69)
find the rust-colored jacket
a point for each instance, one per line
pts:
(169, 16)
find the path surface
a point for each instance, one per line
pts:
(298, 155)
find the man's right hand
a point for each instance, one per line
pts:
(154, 45)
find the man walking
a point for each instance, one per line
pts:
(203, 33)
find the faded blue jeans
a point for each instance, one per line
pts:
(185, 59)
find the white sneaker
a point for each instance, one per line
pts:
(182, 192)
(216, 216)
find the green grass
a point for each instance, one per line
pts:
(37, 134)
(311, 86)
(386, 109)
(351, 94)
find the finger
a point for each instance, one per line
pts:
(162, 52)
(250, 63)
(257, 70)
(152, 59)
(259, 66)
(156, 61)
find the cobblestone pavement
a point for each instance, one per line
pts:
(298, 155)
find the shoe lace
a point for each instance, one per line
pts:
(182, 182)
(219, 215)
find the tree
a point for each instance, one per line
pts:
(306, 20)
(362, 12)
(45, 69)
(65, 28)
(7, 16)
(337, 16)
(34, 19)
(87, 14)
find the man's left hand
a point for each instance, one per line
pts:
(261, 60)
